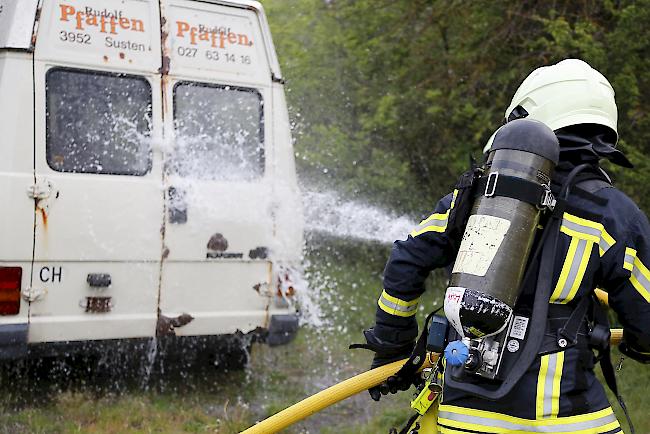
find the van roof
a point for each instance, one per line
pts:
(245, 3)
(17, 24)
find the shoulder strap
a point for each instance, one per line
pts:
(419, 354)
(589, 181)
(462, 204)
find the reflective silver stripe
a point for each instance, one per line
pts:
(599, 233)
(548, 384)
(397, 307)
(581, 228)
(630, 257)
(433, 222)
(640, 277)
(604, 244)
(479, 422)
(573, 271)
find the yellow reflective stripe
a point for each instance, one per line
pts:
(398, 301)
(577, 234)
(584, 261)
(557, 379)
(630, 256)
(588, 230)
(434, 223)
(566, 267)
(573, 270)
(393, 311)
(395, 306)
(608, 239)
(453, 198)
(528, 422)
(490, 422)
(583, 222)
(640, 279)
(541, 382)
(436, 216)
(639, 274)
(473, 427)
(548, 386)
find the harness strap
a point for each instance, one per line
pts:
(568, 334)
(419, 354)
(600, 318)
(496, 184)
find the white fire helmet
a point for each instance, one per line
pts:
(568, 93)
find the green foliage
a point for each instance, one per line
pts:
(390, 97)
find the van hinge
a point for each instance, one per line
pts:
(277, 79)
(41, 190)
(32, 294)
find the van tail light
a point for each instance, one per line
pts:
(10, 281)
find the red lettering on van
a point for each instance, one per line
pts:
(182, 27)
(216, 39)
(66, 11)
(107, 23)
(137, 25)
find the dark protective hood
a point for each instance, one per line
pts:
(584, 144)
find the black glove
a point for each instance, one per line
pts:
(629, 347)
(385, 353)
(393, 384)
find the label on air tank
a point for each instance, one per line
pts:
(519, 326)
(452, 305)
(481, 240)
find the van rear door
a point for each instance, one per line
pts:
(98, 235)
(16, 173)
(219, 219)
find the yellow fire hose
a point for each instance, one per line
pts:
(354, 385)
(329, 396)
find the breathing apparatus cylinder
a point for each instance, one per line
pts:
(489, 268)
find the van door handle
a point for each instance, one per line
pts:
(177, 206)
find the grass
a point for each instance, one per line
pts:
(210, 401)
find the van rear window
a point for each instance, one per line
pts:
(98, 122)
(219, 132)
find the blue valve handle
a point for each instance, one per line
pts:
(456, 353)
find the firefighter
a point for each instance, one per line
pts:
(603, 242)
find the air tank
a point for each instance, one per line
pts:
(487, 274)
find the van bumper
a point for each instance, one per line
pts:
(13, 341)
(282, 329)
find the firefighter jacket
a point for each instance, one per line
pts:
(603, 242)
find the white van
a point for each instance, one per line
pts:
(146, 173)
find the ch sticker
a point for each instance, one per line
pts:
(51, 274)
